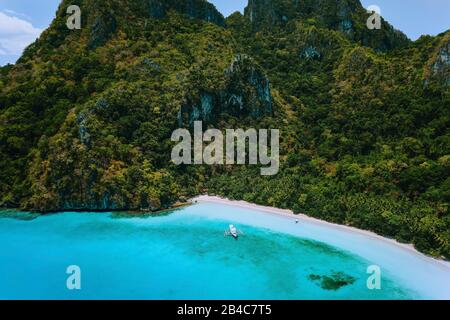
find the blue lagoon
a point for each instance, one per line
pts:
(184, 255)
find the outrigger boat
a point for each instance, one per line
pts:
(233, 232)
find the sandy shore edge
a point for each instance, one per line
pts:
(304, 218)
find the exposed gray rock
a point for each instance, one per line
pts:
(196, 9)
(83, 120)
(310, 53)
(266, 13)
(103, 28)
(342, 15)
(151, 64)
(83, 132)
(90, 203)
(346, 26)
(104, 23)
(441, 67)
(249, 86)
(246, 93)
(207, 105)
(101, 105)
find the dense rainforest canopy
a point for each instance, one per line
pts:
(86, 115)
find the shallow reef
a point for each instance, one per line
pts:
(334, 281)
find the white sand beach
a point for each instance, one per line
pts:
(302, 218)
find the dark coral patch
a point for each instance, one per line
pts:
(334, 281)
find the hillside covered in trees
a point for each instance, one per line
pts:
(86, 115)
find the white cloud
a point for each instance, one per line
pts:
(17, 14)
(15, 34)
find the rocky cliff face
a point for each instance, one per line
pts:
(104, 26)
(346, 16)
(246, 93)
(196, 9)
(441, 66)
(101, 19)
(270, 12)
(105, 23)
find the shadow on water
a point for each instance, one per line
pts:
(27, 216)
(18, 215)
(144, 214)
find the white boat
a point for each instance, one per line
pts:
(233, 231)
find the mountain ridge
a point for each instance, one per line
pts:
(346, 16)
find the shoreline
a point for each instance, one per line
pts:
(175, 206)
(286, 213)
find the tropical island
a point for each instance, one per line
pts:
(86, 116)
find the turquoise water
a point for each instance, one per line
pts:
(183, 255)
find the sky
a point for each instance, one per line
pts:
(22, 21)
